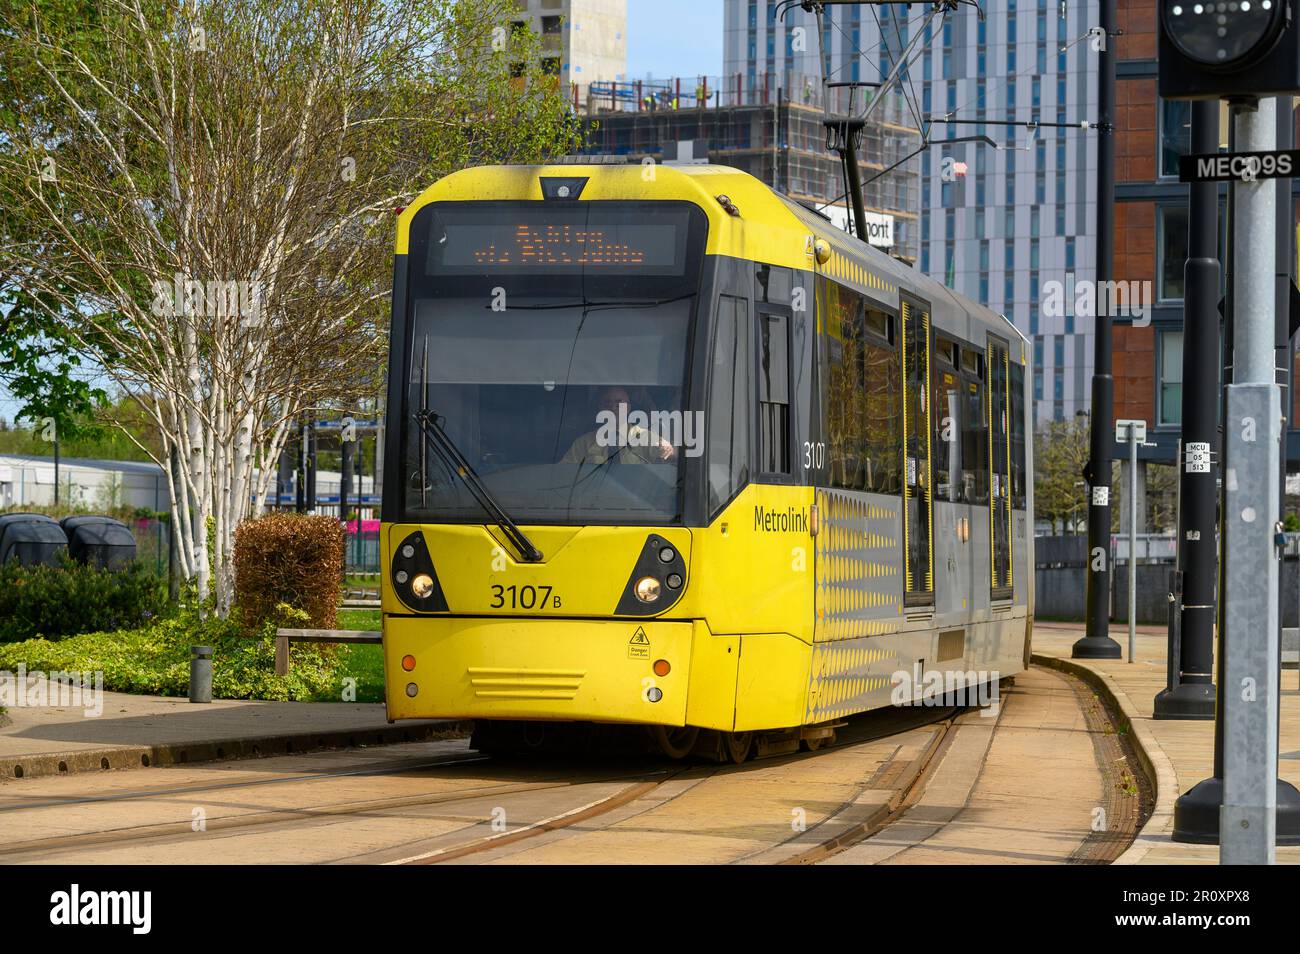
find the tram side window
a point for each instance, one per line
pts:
(845, 390)
(864, 393)
(947, 390)
(774, 394)
(974, 430)
(884, 400)
(1018, 494)
(729, 400)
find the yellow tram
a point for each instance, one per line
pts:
(667, 448)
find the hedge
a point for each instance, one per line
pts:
(291, 559)
(72, 598)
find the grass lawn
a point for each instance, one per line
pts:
(363, 663)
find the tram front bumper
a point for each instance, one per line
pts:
(502, 668)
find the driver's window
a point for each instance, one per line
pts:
(729, 403)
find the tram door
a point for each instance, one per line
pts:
(918, 497)
(1000, 583)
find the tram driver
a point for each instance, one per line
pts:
(615, 440)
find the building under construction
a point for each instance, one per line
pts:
(772, 126)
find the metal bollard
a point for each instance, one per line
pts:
(200, 674)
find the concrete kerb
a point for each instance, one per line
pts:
(189, 753)
(1154, 762)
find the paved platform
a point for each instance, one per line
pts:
(1180, 753)
(136, 730)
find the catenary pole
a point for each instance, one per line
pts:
(1096, 642)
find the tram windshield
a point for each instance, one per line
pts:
(550, 341)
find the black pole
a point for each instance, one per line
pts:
(300, 488)
(1191, 694)
(345, 478)
(1096, 642)
(311, 467)
(56, 466)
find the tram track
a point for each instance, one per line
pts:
(12, 851)
(897, 723)
(560, 811)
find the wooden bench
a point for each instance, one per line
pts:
(283, 637)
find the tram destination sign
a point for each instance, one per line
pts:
(1239, 166)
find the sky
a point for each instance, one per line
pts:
(674, 38)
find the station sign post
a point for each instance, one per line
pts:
(1244, 52)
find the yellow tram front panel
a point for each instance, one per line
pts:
(737, 642)
(598, 670)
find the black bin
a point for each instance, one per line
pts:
(31, 539)
(101, 541)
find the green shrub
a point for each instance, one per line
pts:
(290, 559)
(55, 602)
(155, 659)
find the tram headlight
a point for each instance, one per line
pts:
(647, 589)
(422, 585)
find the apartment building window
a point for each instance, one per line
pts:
(979, 222)
(1034, 217)
(1042, 59)
(1069, 252)
(1171, 251)
(1009, 220)
(550, 26)
(1008, 291)
(1060, 220)
(1170, 374)
(1175, 134)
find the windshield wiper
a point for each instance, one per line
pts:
(436, 437)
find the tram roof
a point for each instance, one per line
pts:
(782, 239)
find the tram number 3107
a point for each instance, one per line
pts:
(814, 455)
(523, 597)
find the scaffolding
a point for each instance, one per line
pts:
(754, 123)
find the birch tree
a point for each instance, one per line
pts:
(201, 197)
